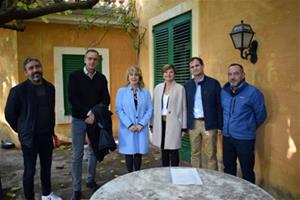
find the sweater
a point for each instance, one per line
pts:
(84, 92)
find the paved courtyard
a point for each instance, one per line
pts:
(11, 170)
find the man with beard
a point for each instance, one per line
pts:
(30, 112)
(243, 112)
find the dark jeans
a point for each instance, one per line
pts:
(244, 151)
(42, 146)
(169, 157)
(133, 160)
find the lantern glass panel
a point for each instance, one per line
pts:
(247, 39)
(236, 38)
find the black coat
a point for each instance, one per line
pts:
(21, 110)
(100, 133)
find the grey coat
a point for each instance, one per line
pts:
(176, 117)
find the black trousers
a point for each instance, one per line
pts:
(169, 157)
(42, 146)
(133, 160)
(244, 151)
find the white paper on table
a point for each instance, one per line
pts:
(188, 176)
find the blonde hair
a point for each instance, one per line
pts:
(134, 69)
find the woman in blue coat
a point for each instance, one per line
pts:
(134, 110)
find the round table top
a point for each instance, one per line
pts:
(156, 183)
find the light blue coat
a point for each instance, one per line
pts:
(133, 142)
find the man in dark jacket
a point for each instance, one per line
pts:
(204, 115)
(86, 88)
(244, 111)
(30, 112)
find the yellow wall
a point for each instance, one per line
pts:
(276, 73)
(8, 75)
(39, 39)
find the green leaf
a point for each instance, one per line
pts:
(33, 5)
(45, 20)
(88, 13)
(22, 5)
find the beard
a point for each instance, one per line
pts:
(36, 77)
(234, 83)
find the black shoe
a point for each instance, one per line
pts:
(76, 195)
(92, 185)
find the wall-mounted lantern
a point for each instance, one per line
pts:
(241, 36)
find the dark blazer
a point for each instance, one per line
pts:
(210, 92)
(21, 110)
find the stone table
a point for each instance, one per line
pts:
(156, 183)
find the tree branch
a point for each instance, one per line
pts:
(18, 13)
(13, 27)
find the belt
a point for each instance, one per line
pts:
(164, 118)
(200, 118)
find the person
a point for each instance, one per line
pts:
(87, 88)
(134, 111)
(169, 116)
(204, 115)
(30, 112)
(244, 111)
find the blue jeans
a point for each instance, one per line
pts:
(244, 151)
(78, 138)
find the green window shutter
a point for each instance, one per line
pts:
(161, 52)
(70, 64)
(182, 50)
(172, 45)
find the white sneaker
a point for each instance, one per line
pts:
(51, 196)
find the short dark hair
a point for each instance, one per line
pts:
(196, 58)
(167, 67)
(236, 64)
(91, 50)
(28, 60)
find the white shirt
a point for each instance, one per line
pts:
(88, 74)
(164, 110)
(198, 105)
